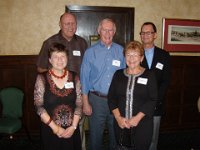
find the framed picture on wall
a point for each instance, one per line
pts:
(93, 39)
(181, 35)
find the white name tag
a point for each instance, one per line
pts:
(76, 53)
(69, 85)
(116, 63)
(159, 66)
(142, 81)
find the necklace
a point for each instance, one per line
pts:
(56, 76)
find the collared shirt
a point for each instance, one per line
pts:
(76, 48)
(149, 56)
(98, 66)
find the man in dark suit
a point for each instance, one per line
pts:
(158, 60)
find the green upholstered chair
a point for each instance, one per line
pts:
(11, 99)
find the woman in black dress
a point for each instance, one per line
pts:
(58, 102)
(132, 98)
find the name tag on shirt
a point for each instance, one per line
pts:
(116, 63)
(142, 81)
(159, 66)
(69, 85)
(76, 53)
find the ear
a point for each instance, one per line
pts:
(155, 35)
(50, 60)
(98, 30)
(59, 24)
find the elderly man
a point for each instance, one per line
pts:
(100, 62)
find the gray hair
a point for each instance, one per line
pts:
(106, 20)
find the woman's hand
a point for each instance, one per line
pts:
(134, 121)
(68, 132)
(60, 132)
(122, 122)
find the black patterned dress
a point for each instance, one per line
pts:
(61, 105)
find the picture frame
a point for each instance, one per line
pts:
(94, 39)
(181, 35)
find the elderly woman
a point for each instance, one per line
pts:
(132, 98)
(58, 102)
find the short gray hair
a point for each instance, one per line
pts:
(106, 20)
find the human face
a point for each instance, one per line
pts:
(68, 26)
(107, 32)
(148, 35)
(58, 60)
(133, 58)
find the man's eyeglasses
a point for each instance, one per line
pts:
(107, 30)
(147, 33)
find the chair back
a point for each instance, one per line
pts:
(11, 99)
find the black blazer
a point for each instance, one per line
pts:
(161, 67)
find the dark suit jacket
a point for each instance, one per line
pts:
(161, 67)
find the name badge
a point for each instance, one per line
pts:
(76, 53)
(116, 63)
(142, 81)
(159, 66)
(69, 85)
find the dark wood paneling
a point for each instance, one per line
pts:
(183, 93)
(20, 71)
(181, 103)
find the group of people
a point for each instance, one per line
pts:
(121, 89)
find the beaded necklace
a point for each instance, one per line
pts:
(56, 76)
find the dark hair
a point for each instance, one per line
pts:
(150, 23)
(135, 46)
(57, 47)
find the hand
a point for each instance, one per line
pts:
(87, 109)
(68, 132)
(135, 120)
(60, 132)
(57, 130)
(123, 122)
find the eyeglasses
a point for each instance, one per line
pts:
(147, 33)
(106, 30)
(128, 55)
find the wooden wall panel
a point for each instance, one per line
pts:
(20, 71)
(183, 93)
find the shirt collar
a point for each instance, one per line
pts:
(61, 36)
(104, 46)
(149, 51)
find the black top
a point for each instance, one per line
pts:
(161, 67)
(60, 103)
(144, 92)
(132, 94)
